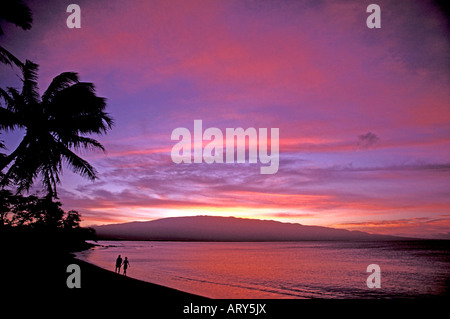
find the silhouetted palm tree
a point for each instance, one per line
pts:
(55, 126)
(18, 13)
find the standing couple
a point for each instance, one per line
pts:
(119, 264)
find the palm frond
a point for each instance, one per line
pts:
(59, 83)
(22, 172)
(50, 179)
(8, 58)
(16, 12)
(78, 108)
(77, 164)
(30, 90)
(78, 142)
(6, 97)
(16, 99)
(9, 120)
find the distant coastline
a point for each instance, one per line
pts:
(213, 228)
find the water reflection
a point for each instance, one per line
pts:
(283, 270)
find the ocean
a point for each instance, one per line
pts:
(297, 270)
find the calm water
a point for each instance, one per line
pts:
(284, 270)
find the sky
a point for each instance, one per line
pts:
(363, 114)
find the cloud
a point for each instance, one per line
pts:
(132, 183)
(290, 215)
(423, 226)
(367, 140)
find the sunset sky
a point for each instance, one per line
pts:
(363, 114)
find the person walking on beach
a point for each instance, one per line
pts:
(126, 263)
(118, 264)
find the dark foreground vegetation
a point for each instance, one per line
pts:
(39, 222)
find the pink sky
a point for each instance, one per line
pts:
(364, 114)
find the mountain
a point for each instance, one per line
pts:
(212, 228)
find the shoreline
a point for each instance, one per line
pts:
(34, 278)
(97, 279)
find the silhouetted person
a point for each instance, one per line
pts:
(126, 263)
(118, 264)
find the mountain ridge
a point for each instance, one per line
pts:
(215, 228)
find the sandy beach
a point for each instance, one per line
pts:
(97, 280)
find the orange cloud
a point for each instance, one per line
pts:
(428, 227)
